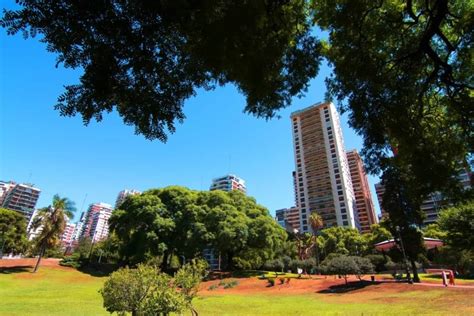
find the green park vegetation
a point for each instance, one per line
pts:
(66, 291)
(402, 70)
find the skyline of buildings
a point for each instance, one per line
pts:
(360, 185)
(228, 183)
(322, 176)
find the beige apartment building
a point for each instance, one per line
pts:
(322, 176)
(360, 185)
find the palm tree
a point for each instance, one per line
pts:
(51, 222)
(316, 222)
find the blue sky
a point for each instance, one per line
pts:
(92, 164)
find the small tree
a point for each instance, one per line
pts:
(341, 265)
(364, 266)
(147, 291)
(188, 279)
(126, 289)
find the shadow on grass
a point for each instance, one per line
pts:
(351, 286)
(15, 269)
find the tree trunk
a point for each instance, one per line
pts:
(194, 312)
(41, 253)
(416, 278)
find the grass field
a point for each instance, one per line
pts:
(64, 291)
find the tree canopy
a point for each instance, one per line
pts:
(50, 222)
(12, 232)
(182, 222)
(144, 59)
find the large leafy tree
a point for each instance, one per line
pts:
(144, 59)
(51, 222)
(176, 221)
(12, 232)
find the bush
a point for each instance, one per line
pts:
(71, 261)
(231, 284)
(341, 265)
(378, 261)
(213, 287)
(271, 281)
(282, 280)
(364, 266)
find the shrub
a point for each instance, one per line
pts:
(341, 265)
(271, 281)
(282, 280)
(71, 261)
(378, 261)
(231, 284)
(364, 266)
(213, 287)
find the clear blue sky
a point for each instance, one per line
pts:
(61, 155)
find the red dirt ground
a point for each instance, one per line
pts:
(320, 283)
(29, 262)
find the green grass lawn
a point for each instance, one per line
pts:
(437, 278)
(54, 291)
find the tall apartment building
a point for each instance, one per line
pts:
(95, 222)
(322, 173)
(123, 195)
(380, 190)
(288, 217)
(19, 197)
(360, 185)
(228, 183)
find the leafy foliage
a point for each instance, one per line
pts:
(12, 231)
(458, 223)
(51, 222)
(179, 221)
(341, 265)
(146, 291)
(146, 59)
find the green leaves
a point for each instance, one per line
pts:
(144, 60)
(176, 220)
(12, 231)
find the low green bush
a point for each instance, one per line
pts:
(213, 287)
(271, 281)
(231, 284)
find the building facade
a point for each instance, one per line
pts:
(432, 205)
(360, 185)
(228, 183)
(123, 195)
(68, 236)
(19, 197)
(95, 222)
(288, 218)
(323, 180)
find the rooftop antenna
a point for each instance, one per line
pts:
(83, 202)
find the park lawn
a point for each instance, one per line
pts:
(51, 291)
(64, 291)
(436, 278)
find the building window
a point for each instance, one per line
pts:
(305, 222)
(303, 216)
(345, 223)
(341, 198)
(305, 227)
(344, 216)
(339, 192)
